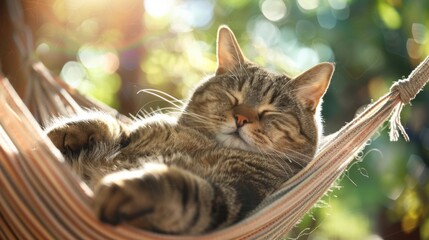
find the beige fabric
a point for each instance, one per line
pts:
(41, 199)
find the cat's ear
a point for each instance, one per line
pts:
(229, 55)
(310, 86)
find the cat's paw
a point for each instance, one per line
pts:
(156, 198)
(72, 135)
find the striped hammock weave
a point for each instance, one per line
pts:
(40, 198)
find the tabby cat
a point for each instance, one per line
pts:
(243, 132)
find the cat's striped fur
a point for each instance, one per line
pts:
(243, 132)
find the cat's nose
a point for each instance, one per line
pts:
(244, 114)
(240, 120)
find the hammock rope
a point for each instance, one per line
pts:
(41, 198)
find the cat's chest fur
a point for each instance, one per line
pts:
(164, 142)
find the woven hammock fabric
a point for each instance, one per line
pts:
(40, 198)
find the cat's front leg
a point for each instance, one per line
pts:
(157, 198)
(81, 132)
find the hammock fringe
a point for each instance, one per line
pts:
(42, 198)
(395, 125)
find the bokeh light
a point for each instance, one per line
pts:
(326, 18)
(308, 4)
(274, 10)
(90, 57)
(73, 73)
(419, 32)
(389, 15)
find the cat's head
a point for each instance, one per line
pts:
(244, 106)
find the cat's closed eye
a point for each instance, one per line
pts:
(232, 98)
(262, 113)
(267, 112)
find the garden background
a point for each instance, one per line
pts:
(110, 50)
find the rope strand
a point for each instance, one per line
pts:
(406, 90)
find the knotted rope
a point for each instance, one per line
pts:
(407, 89)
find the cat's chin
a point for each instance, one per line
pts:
(233, 140)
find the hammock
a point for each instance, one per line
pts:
(41, 198)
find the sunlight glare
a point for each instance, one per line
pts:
(192, 14)
(158, 8)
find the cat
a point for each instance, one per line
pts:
(243, 132)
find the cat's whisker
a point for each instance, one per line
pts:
(162, 95)
(294, 156)
(159, 95)
(276, 159)
(280, 160)
(168, 110)
(197, 116)
(208, 120)
(286, 154)
(287, 151)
